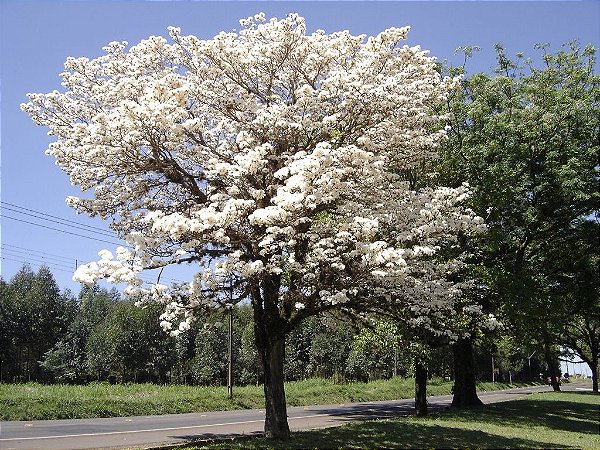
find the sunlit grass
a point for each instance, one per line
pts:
(547, 420)
(33, 401)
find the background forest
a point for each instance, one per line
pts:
(52, 336)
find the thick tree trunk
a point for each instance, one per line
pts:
(270, 343)
(465, 388)
(552, 364)
(276, 425)
(594, 368)
(420, 388)
(594, 364)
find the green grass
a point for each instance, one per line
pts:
(34, 401)
(546, 420)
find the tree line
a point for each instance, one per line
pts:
(50, 336)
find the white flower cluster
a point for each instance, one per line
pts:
(123, 269)
(262, 156)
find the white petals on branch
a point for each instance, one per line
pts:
(263, 156)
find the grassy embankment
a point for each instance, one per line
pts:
(545, 420)
(32, 401)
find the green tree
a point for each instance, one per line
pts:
(8, 329)
(527, 140)
(250, 371)
(129, 345)
(67, 359)
(40, 315)
(330, 347)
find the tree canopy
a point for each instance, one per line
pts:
(269, 158)
(527, 140)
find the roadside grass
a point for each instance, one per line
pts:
(33, 401)
(545, 420)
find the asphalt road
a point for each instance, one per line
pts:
(145, 431)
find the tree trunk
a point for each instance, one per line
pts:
(552, 367)
(594, 368)
(465, 389)
(594, 350)
(270, 344)
(272, 357)
(420, 388)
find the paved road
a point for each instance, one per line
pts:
(143, 431)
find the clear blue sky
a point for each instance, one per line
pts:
(37, 36)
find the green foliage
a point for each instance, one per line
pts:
(129, 346)
(377, 353)
(298, 349)
(68, 359)
(330, 348)
(35, 315)
(248, 368)
(527, 140)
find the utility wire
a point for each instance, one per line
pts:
(63, 268)
(19, 254)
(60, 221)
(62, 231)
(50, 215)
(35, 253)
(35, 264)
(28, 254)
(40, 217)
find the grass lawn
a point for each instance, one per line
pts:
(32, 401)
(545, 420)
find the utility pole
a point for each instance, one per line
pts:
(230, 355)
(529, 362)
(230, 343)
(493, 371)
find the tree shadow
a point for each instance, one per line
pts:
(401, 434)
(558, 414)
(551, 412)
(381, 435)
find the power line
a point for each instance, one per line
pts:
(102, 233)
(63, 268)
(19, 254)
(54, 217)
(29, 255)
(35, 264)
(33, 252)
(62, 231)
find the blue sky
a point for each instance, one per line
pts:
(37, 36)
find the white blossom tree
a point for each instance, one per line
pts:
(266, 157)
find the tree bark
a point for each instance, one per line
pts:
(594, 368)
(276, 424)
(270, 344)
(552, 367)
(420, 388)
(465, 389)
(594, 353)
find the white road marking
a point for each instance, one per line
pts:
(106, 433)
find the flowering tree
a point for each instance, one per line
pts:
(266, 158)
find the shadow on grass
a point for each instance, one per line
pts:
(547, 410)
(562, 412)
(387, 435)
